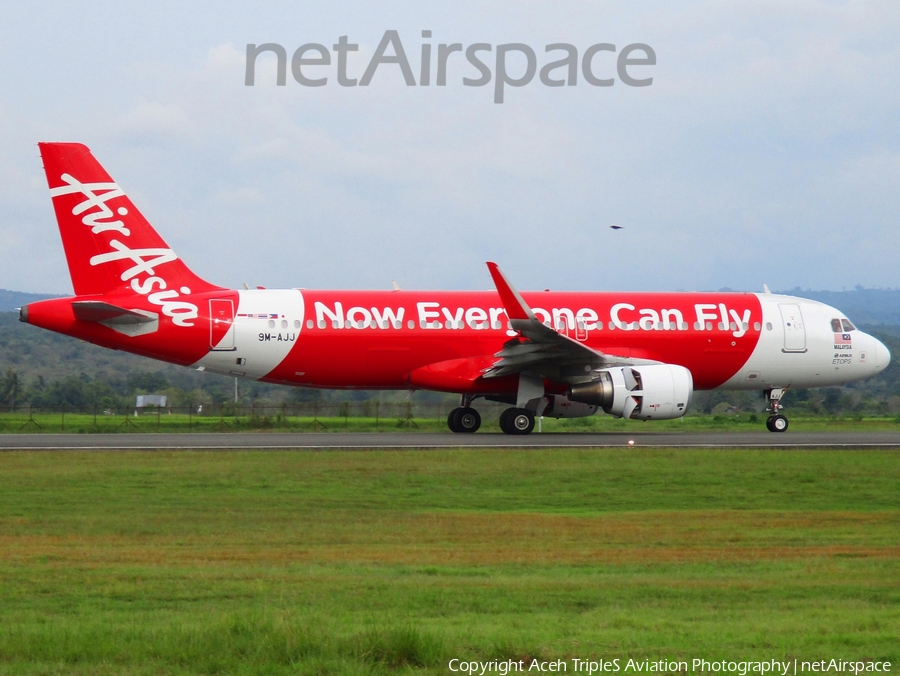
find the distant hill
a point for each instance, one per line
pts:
(861, 306)
(10, 300)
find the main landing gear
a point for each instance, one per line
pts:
(776, 422)
(517, 421)
(464, 419)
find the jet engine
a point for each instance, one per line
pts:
(657, 391)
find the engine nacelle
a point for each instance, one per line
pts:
(561, 406)
(654, 392)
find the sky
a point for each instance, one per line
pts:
(766, 149)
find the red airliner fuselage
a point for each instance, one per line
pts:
(568, 353)
(393, 337)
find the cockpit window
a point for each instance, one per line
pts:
(836, 325)
(847, 325)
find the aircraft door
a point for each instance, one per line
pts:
(221, 325)
(794, 329)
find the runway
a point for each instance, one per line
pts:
(407, 440)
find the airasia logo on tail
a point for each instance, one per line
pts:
(95, 213)
(96, 195)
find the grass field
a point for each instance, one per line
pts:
(396, 562)
(86, 423)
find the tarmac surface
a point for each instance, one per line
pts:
(411, 440)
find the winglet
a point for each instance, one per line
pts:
(516, 307)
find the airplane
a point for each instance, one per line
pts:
(633, 355)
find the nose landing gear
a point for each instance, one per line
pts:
(776, 422)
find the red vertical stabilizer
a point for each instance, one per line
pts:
(110, 247)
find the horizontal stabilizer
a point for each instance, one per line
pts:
(128, 322)
(106, 313)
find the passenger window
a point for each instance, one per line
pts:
(847, 325)
(836, 325)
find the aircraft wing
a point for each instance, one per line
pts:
(540, 349)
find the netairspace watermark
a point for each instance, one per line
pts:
(698, 666)
(598, 64)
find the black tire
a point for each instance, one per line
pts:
(468, 420)
(778, 423)
(517, 421)
(503, 418)
(453, 420)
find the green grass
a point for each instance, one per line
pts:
(391, 562)
(25, 422)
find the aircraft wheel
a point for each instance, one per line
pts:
(503, 417)
(517, 421)
(777, 423)
(453, 420)
(468, 420)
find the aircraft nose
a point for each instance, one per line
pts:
(882, 355)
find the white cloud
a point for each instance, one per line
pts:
(151, 121)
(225, 58)
(241, 196)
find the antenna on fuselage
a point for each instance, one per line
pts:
(766, 289)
